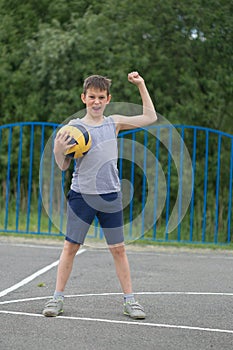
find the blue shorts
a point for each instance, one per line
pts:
(82, 209)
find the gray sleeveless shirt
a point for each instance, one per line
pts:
(96, 172)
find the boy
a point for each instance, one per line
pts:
(95, 188)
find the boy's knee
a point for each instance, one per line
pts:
(70, 248)
(118, 251)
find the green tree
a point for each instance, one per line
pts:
(182, 49)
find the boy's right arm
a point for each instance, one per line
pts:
(148, 115)
(61, 144)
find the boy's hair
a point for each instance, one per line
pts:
(97, 82)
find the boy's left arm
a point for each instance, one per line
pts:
(149, 115)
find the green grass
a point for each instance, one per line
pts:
(36, 236)
(147, 239)
(139, 242)
(182, 244)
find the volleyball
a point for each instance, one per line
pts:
(80, 142)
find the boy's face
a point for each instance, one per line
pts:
(95, 101)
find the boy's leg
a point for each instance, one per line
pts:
(111, 220)
(65, 264)
(131, 308)
(122, 267)
(54, 307)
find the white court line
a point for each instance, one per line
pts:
(113, 294)
(133, 323)
(32, 277)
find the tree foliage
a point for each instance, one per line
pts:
(183, 50)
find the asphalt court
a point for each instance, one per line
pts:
(187, 295)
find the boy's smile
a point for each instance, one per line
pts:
(95, 101)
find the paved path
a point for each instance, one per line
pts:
(187, 294)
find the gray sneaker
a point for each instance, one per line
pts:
(53, 308)
(134, 310)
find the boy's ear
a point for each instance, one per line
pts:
(109, 98)
(83, 98)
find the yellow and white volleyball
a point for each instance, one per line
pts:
(80, 142)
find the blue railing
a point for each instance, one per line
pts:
(176, 182)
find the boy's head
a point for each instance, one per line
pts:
(97, 82)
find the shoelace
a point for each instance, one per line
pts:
(136, 306)
(52, 303)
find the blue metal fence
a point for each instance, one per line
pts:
(178, 188)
